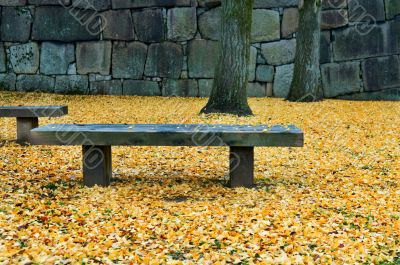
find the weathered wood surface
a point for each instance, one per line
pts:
(167, 135)
(33, 111)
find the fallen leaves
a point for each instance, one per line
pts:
(337, 200)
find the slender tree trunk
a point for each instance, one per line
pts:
(229, 93)
(306, 85)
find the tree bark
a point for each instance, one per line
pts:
(306, 84)
(229, 92)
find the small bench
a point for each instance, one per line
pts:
(27, 117)
(97, 140)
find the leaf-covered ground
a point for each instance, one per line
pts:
(335, 201)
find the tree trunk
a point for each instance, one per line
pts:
(229, 93)
(306, 85)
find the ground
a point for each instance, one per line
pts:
(335, 201)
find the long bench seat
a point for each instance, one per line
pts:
(97, 139)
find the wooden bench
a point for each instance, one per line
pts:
(28, 117)
(97, 140)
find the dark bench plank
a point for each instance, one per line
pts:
(167, 135)
(28, 117)
(33, 111)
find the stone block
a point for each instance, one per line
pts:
(164, 60)
(208, 24)
(340, 79)
(35, 83)
(182, 23)
(265, 73)
(53, 23)
(122, 4)
(202, 58)
(141, 88)
(279, 52)
(111, 87)
(7, 81)
(274, 3)
(252, 64)
(3, 65)
(205, 87)
(290, 22)
(24, 58)
(392, 8)
(16, 24)
(256, 90)
(334, 4)
(366, 11)
(72, 84)
(209, 3)
(13, 2)
(332, 19)
(180, 88)
(283, 80)
(265, 25)
(129, 59)
(117, 25)
(56, 57)
(50, 2)
(387, 95)
(93, 57)
(98, 5)
(149, 25)
(381, 73)
(325, 47)
(350, 43)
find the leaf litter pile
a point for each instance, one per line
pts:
(334, 201)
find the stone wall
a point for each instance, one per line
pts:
(169, 47)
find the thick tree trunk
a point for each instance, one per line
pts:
(306, 85)
(229, 94)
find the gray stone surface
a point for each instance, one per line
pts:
(252, 64)
(181, 23)
(56, 57)
(334, 4)
(387, 95)
(366, 11)
(117, 25)
(341, 79)
(279, 52)
(265, 73)
(180, 88)
(256, 90)
(117, 4)
(209, 3)
(3, 65)
(381, 73)
(72, 84)
(392, 8)
(141, 88)
(283, 80)
(334, 18)
(16, 24)
(97, 5)
(93, 57)
(325, 47)
(274, 3)
(51, 2)
(265, 26)
(24, 58)
(202, 58)
(149, 25)
(164, 60)
(129, 59)
(54, 23)
(37, 83)
(290, 22)
(7, 81)
(350, 43)
(13, 2)
(205, 87)
(208, 22)
(111, 87)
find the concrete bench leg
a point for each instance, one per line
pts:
(24, 126)
(97, 167)
(241, 172)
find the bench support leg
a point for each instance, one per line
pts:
(241, 172)
(24, 126)
(97, 168)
